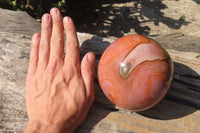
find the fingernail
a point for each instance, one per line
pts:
(54, 11)
(35, 37)
(45, 18)
(90, 58)
(67, 19)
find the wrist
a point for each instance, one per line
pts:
(37, 127)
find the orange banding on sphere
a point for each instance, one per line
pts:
(135, 72)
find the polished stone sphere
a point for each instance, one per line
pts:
(135, 72)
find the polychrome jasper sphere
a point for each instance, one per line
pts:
(135, 72)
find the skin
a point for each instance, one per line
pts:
(59, 91)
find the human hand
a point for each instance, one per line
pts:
(59, 92)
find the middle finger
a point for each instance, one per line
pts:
(57, 38)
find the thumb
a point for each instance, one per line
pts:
(87, 72)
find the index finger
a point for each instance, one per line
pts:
(72, 44)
